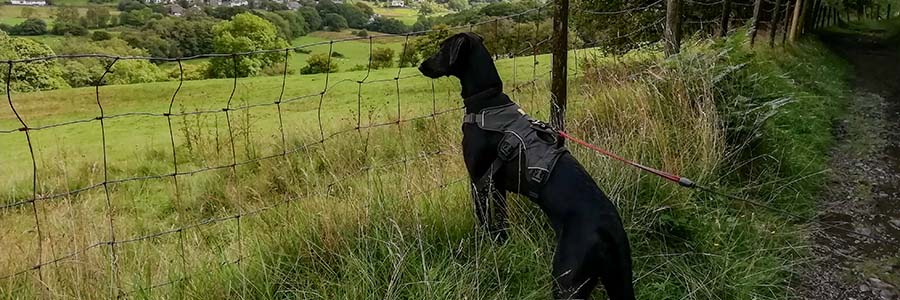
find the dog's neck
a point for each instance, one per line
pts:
(487, 98)
(481, 84)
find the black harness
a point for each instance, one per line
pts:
(529, 141)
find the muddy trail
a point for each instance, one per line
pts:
(863, 193)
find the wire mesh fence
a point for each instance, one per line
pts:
(315, 136)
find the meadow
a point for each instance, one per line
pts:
(361, 193)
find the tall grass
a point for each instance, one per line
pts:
(385, 213)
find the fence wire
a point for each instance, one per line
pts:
(535, 45)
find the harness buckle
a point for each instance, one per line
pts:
(506, 150)
(538, 175)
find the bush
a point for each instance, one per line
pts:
(30, 27)
(382, 57)
(101, 35)
(302, 50)
(196, 71)
(319, 63)
(362, 33)
(63, 28)
(337, 54)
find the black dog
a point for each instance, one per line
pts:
(591, 242)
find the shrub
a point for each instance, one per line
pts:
(362, 33)
(382, 57)
(319, 63)
(196, 71)
(62, 28)
(101, 35)
(337, 54)
(302, 50)
(387, 25)
(30, 27)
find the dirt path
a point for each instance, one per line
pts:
(863, 194)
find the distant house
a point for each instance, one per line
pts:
(294, 5)
(235, 3)
(175, 10)
(397, 3)
(29, 2)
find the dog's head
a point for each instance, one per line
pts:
(455, 52)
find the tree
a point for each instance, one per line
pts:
(138, 17)
(458, 5)
(296, 21)
(154, 44)
(97, 17)
(387, 25)
(335, 22)
(365, 8)
(319, 63)
(225, 12)
(85, 72)
(129, 5)
(426, 8)
(382, 57)
(32, 76)
(313, 19)
(281, 25)
(27, 12)
(66, 14)
(29, 27)
(182, 36)
(245, 33)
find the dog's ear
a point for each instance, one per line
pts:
(455, 45)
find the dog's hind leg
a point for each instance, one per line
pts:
(614, 265)
(573, 278)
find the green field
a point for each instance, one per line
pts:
(356, 53)
(11, 20)
(12, 14)
(384, 212)
(407, 15)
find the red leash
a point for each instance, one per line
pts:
(683, 181)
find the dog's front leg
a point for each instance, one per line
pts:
(490, 208)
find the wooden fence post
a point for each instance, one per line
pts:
(754, 26)
(726, 17)
(673, 27)
(559, 73)
(773, 24)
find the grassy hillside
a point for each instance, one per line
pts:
(383, 212)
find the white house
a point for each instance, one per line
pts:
(235, 3)
(29, 2)
(397, 3)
